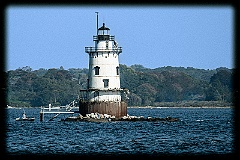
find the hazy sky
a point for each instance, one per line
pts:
(153, 36)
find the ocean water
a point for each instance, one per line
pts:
(199, 131)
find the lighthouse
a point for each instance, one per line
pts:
(103, 94)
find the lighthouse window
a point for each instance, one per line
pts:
(117, 69)
(107, 44)
(96, 70)
(105, 81)
(96, 94)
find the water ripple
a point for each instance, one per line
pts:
(200, 131)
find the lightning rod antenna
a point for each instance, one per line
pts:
(97, 22)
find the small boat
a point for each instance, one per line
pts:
(25, 118)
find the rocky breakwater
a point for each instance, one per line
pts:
(97, 117)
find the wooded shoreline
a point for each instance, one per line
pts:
(182, 104)
(151, 107)
(161, 87)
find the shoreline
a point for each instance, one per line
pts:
(179, 107)
(151, 107)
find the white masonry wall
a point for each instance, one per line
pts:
(107, 60)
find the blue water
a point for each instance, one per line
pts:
(199, 131)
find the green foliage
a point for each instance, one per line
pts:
(220, 87)
(174, 84)
(56, 86)
(164, 85)
(200, 74)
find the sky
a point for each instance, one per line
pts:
(153, 36)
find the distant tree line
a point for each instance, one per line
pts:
(27, 87)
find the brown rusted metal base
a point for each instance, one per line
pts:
(117, 109)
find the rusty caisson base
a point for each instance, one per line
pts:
(117, 109)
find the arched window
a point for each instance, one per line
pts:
(96, 70)
(117, 70)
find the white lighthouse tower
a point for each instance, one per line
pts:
(103, 94)
(104, 77)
